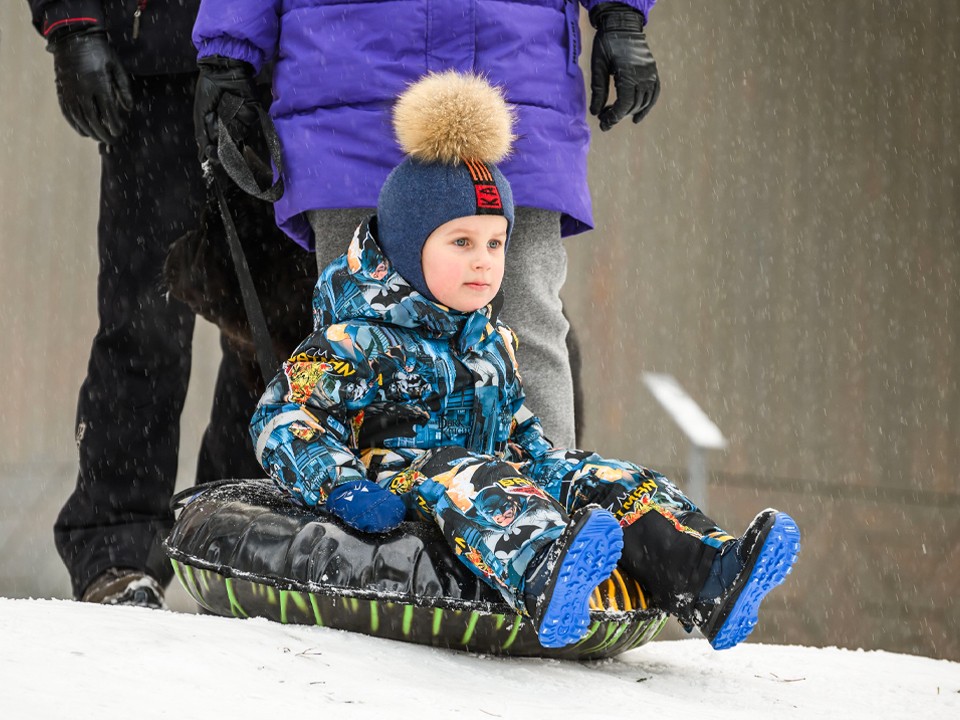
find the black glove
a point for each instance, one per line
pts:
(620, 49)
(221, 76)
(92, 85)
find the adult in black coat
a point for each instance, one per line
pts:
(125, 74)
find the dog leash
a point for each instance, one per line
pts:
(233, 166)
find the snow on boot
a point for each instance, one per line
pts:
(744, 571)
(119, 586)
(559, 581)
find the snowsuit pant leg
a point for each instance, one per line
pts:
(535, 272)
(494, 519)
(669, 545)
(128, 412)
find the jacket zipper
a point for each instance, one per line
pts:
(572, 17)
(141, 6)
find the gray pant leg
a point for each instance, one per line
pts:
(334, 230)
(535, 273)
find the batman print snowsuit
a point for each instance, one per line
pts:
(428, 402)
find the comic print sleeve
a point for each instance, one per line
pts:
(526, 436)
(247, 30)
(302, 428)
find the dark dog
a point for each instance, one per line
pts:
(199, 271)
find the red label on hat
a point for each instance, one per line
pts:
(488, 197)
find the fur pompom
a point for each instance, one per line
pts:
(448, 117)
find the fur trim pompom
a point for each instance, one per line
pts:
(448, 117)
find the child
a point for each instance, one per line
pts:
(407, 399)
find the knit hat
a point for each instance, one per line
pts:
(453, 127)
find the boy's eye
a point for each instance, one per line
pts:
(495, 244)
(460, 242)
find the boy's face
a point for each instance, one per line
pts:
(463, 261)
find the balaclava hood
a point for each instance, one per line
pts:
(453, 127)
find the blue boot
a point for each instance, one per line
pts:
(559, 581)
(742, 574)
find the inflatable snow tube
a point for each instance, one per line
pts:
(241, 549)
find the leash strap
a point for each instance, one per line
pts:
(233, 166)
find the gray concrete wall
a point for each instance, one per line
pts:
(781, 234)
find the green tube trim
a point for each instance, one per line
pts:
(651, 631)
(619, 631)
(471, 626)
(593, 628)
(407, 619)
(517, 622)
(627, 642)
(611, 629)
(604, 637)
(194, 588)
(316, 610)
(177, 571)
(235, 606)
(298, 600)
(640, 635)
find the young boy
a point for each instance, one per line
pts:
(407, 399)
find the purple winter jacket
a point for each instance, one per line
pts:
(340, 65)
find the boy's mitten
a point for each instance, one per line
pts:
(366, 506)
(92, 85)
(221, 76)
(620, 50)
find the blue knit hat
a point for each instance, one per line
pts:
(453, 128)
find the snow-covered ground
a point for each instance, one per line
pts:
(60, 659)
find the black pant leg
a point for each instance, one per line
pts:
(227, 450)
(129, 407)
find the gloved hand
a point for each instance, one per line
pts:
(366, 506)
(620, 49)
(221, 76)
(92, 85)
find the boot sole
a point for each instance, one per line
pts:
(590, 558)
(770, 568)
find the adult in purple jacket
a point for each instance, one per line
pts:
(339, 67)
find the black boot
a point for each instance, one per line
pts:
(742, 574)
(559, 581)
(668, 556)
(120, 586)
